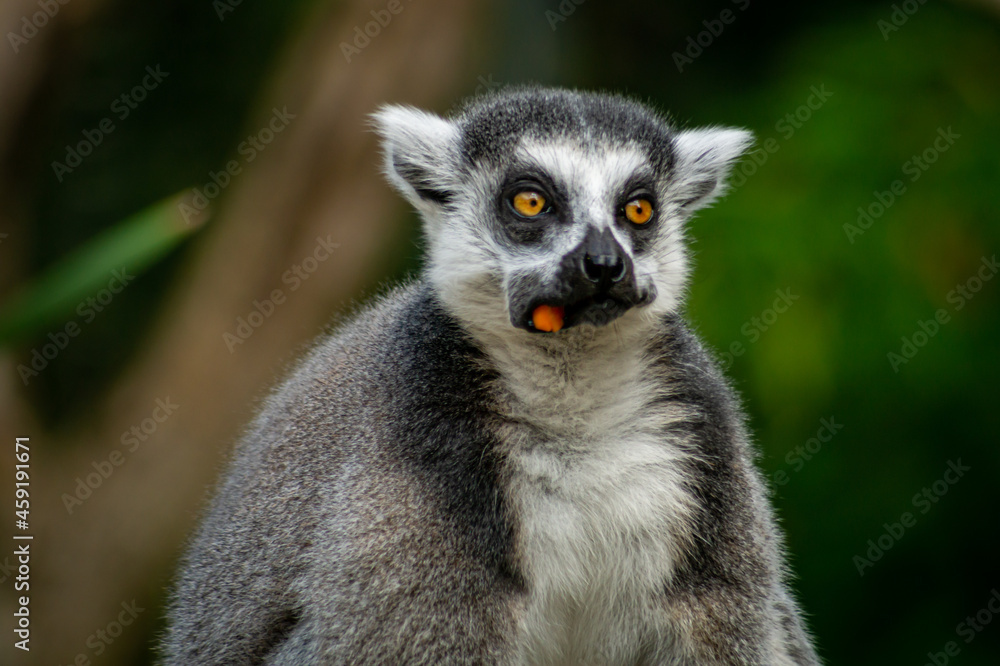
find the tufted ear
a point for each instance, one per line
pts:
(421, 154)
(704, 160)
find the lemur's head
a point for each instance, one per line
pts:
(548, 209)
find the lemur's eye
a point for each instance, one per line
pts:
(528, 203)
(638, 210)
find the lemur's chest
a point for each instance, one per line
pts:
(601, 517)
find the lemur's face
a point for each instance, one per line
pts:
(574, 228)
(548, 210)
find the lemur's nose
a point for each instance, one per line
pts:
(603, 260)
(603, 268)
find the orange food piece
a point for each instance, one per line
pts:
(548, 318)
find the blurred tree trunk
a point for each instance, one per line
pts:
(318, 179)
(24, 67)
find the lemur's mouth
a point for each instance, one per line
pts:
(598, 310)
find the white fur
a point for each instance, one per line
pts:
(704, 159)
(423, 140)
(597, 490)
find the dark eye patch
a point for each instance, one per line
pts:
(521, 230)
(639, 186)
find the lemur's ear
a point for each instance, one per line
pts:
(704, 159)
(420, 154)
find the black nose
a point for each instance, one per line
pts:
(603, 261)
(603, 268)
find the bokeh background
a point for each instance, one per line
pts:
(848, 281)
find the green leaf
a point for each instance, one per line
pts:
(133, 244)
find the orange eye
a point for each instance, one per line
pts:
(529, 203)
(638, 211)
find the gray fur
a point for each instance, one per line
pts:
(439, 484)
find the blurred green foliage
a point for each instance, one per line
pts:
(794, 224)
(188, 125)
(130, 246)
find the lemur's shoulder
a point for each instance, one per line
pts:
(694, 372)
(378, 380)
(401, 392)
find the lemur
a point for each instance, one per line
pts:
(524, 455)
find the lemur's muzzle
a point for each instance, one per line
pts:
(595, 284)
